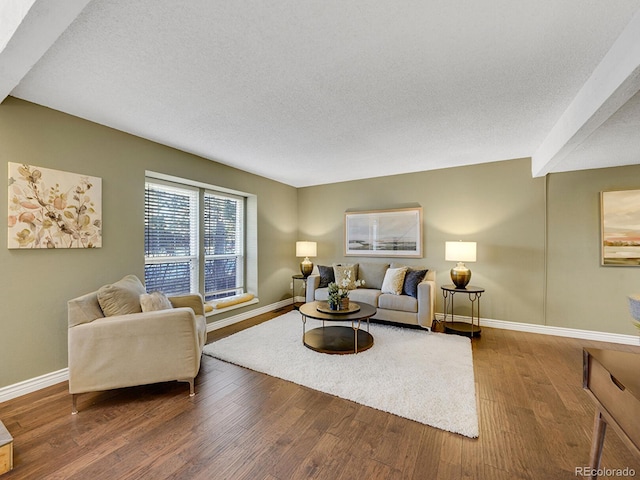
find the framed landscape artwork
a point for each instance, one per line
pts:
(384, 233)
(620, 224)
(53, 209)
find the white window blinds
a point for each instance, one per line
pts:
(223, 244)
(175, 218)
(171, 239)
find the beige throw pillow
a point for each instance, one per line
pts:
(394, 280)
(121, 297)
(347, 274)
(150, 302)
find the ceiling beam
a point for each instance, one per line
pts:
(614, 81)
(40, 28)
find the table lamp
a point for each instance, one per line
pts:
(306, 250)
(460, 252)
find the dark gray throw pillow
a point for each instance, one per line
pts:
(411, 281)
(326, 276)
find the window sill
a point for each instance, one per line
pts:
(217, 311)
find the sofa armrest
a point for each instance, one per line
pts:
(426, 301)
(192, 300)
(313, 282)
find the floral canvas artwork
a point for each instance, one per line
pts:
(53, 209)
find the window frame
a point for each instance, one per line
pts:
(238, 255)
(249, 236)
(192, 258)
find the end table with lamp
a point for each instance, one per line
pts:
(303, 249)
(461, 252)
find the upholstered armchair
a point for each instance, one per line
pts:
(119, 336)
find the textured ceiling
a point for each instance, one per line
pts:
(313, 92)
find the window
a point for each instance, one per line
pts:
(193, 237)
(170, 239)
(223, 245)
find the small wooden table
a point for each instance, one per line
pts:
(337, 339)
(612, 380)
(6, 450)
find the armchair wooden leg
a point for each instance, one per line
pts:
(74, 404)
(192, 390)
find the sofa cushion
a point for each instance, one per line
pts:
(121, 297)
(403, 303)
(394, 280)
(326, 275)
(372, 274)
(346, 275)
(231, 300)
(365, 295)
(150, 302)
(411, 281)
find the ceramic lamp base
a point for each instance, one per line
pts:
(460, 275)
(306, 267)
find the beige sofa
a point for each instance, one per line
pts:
(403, 309)
(124, 348)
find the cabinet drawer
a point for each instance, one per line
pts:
(616, 399)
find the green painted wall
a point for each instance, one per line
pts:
(36, 284)
(509, 213)
(581, 293)
(538, 239)
(498, 205)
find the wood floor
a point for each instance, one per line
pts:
(535, 423)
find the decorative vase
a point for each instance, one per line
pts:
(344, 303)
(333, 305)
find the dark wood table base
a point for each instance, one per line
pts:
(337, 340)
(340, 339)
(462, 328)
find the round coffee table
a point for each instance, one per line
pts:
(337, 339)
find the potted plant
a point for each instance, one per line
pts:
(339, 294)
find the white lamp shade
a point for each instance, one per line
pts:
(460, 251)
(306, 249)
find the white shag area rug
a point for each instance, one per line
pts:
(419, 375)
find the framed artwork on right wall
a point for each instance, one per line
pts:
(620, 228)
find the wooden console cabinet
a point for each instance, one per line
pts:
(6, 450)
(612, 380)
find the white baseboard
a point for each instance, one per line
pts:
(33, 384)
(551, 330)
(22, 388)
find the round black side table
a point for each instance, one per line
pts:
(462, 328)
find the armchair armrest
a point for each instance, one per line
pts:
(193, 300)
